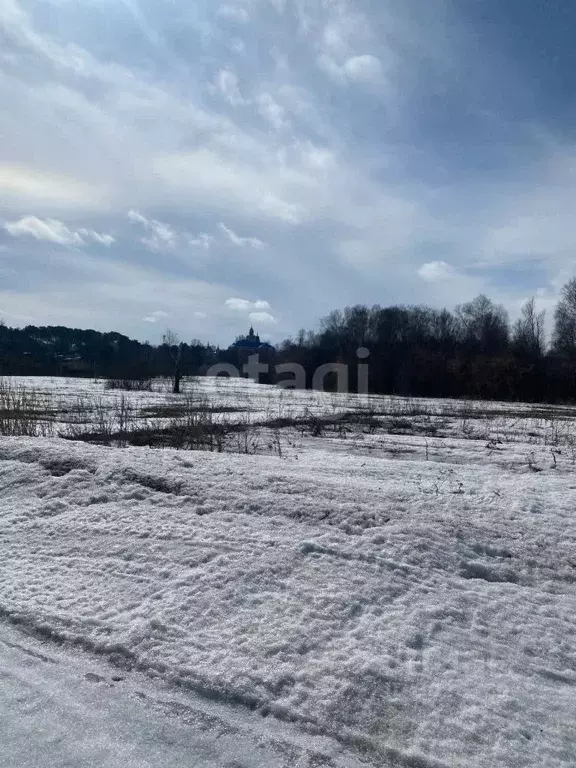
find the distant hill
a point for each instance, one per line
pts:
(58, 350)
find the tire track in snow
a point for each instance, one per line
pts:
(381, 657)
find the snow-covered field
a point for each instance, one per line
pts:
(402, 590)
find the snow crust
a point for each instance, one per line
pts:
(62, 709)
(419, 607)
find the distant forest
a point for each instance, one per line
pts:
(471, 352)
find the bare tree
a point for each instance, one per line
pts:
(529, 336)
(483, 326)
(176, 348)
(564, 340)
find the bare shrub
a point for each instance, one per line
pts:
(246, 436)
(142, 384)
(100, 420)
(195, 427)
(77, 418)
(24, 412)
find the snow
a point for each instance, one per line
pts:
(66, 710)
(408, 597)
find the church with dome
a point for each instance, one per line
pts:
(251, 344)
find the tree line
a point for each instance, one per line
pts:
(58, 350)
(473, 351)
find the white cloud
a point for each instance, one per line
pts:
(234, 13)
(318, 158)
(264, 318)
(137, 218)
(240, 305)
(244, 305)
(160, 236)
(228, 84)
(54, 231)
(96, 237)
(241, 242)
(51, 230)
(200, 315)
(156, 316)
(237, 45)
(203, 241)
(364, 69)
(271, 111)
(242, 178)
(22, 186)
(435, 271)
(343, 34)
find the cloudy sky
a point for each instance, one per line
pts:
(202, 165)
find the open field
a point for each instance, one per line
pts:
(394, 577)
(271, 419)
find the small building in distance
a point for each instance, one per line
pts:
(250, 342)
(246, 346)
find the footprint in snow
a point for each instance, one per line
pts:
(91, 677)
